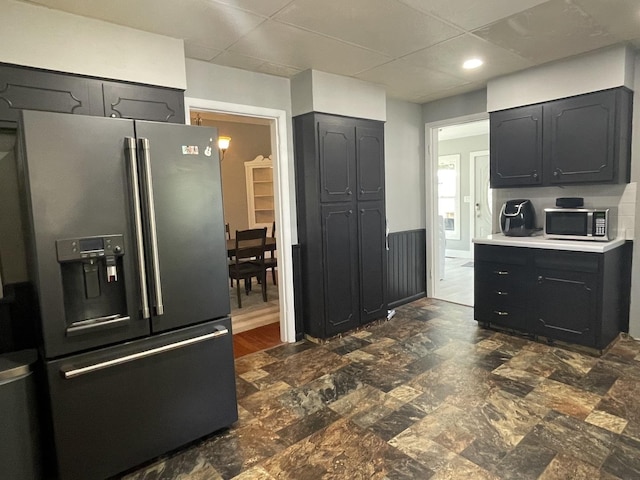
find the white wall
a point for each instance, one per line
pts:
(231, 85)
(608, 68)
(36, 36)
(314, 91)
(404, 166)
(455, 107)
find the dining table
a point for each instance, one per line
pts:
(269, 245)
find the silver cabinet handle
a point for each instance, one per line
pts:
(501, 314)
(501, 272)
(500, 292)
(153, 235)
(137, 216)
(76, 372)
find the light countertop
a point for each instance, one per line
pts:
(539, 241)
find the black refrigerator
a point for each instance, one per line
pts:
(126, 250)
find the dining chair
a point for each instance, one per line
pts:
(248, 261)
(271, 262)
(230, 256)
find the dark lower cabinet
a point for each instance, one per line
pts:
(23, 88)
(340, 255)
(373, 260)
(576, 297)
(341, 222)
(568, 311)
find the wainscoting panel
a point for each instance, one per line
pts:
(406, 272)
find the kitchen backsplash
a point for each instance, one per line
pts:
(621, 196)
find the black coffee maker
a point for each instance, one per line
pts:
(517, 218)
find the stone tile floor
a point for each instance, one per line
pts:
(427, 395)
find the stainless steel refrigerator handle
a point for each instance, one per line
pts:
(76, 372)
(137, 215)
(153, 236)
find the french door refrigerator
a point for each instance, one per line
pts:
(128, 258)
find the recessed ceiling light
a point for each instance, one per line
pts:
(472, 63)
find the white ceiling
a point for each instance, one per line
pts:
(414, 48)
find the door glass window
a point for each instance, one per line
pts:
(449, 194)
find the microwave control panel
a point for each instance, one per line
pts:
(600, 224)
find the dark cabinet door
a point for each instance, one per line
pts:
(516, 147)
(566, 290)
(373, 260)
(336, 142)
(566, 308)
(370, 162)
(143, 103)
(580, 139)
(28, 89)
(340, 257)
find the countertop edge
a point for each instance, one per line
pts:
(550, 244)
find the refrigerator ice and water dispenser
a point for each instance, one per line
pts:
(94, 290)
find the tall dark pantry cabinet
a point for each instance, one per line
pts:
(341, 221)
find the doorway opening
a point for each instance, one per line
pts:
(461, 204)
(256, 134)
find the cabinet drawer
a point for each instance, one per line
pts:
(500, 276)
(506, 316)
(506, 295)
(500, 254)
(569, 261)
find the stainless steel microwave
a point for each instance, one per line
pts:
(599, 224)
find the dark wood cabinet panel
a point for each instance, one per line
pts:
(370, 162)
(567, 305)
(143, 103)
(576, 140)
(516, 147)
(337, 161)
(576, 297)
(501, 293)
(23, 88)
(30, 89)
(342, 236)
(373, 260)
(340, 258)
(580, 134)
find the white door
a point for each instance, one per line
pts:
(482, 194)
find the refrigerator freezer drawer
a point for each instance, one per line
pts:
(118, 407)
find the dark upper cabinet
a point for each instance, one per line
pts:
(575, 140)
(337, 161)
(370, 162)
(23, 88)
(29, 89)
(340, 254)
(581, 133)
(143, 103)
(341, 221)
(516, 147)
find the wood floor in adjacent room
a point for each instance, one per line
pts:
(256, 339)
